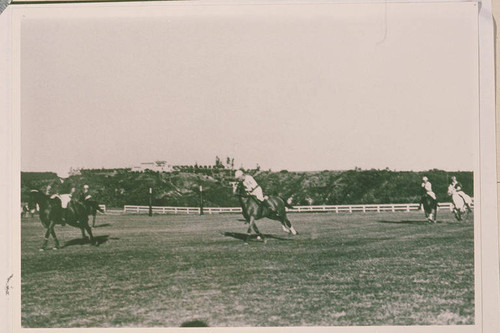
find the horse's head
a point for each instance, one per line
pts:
(238, 189)
(33, 200)
(34, 197)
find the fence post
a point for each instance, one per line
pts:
(393, 209)
(201, 200)
(350, 209)
(407, 208)
(150, 213)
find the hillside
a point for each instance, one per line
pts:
(119, 187)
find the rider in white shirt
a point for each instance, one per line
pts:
(458, 187)
(252, 188)
(427, 187)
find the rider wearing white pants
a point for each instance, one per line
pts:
(252, 188)
(427, 187)
(458, 187)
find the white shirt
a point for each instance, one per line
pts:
(249, 183)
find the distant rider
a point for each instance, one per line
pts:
(427, 189)
(458, 187)
(85, 195)
(57, 189)
(253, 189)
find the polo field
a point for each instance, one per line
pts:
(388, 268)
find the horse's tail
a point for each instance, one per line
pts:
(94, 205)
(99, 208)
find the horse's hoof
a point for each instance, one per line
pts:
(55, 248)
(41, 250)
(259, 238)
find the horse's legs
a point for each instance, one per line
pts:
(49, 231)
(93, 220)
(56, 241)
(45, 240)
(430, 216)
(83, 232)
(85, 223)
(254, 226)
(290, 226)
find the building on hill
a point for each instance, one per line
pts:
(158, 166)
(74, 172)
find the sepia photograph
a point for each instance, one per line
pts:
(256, 164)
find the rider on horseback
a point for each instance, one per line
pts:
(253, 189)
(458, 187)
(85, 195)
(427, 189)
(57, 189)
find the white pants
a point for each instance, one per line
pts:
(257, 193)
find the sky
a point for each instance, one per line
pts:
(296, 87)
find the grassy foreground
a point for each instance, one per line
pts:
(165, 271)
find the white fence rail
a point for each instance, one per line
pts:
(296, 209)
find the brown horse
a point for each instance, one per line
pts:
(252, 210)
(52, 213)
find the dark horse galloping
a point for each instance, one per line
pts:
(52, 213)
(430, 208)
(252, 210)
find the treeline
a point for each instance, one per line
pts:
(119, 187)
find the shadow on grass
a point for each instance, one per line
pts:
(246, 237)
(82, 241)
(101, 225)
(415, 222)
(194, 323)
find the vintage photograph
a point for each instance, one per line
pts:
(249, 165)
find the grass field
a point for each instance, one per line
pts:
(165, 271)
